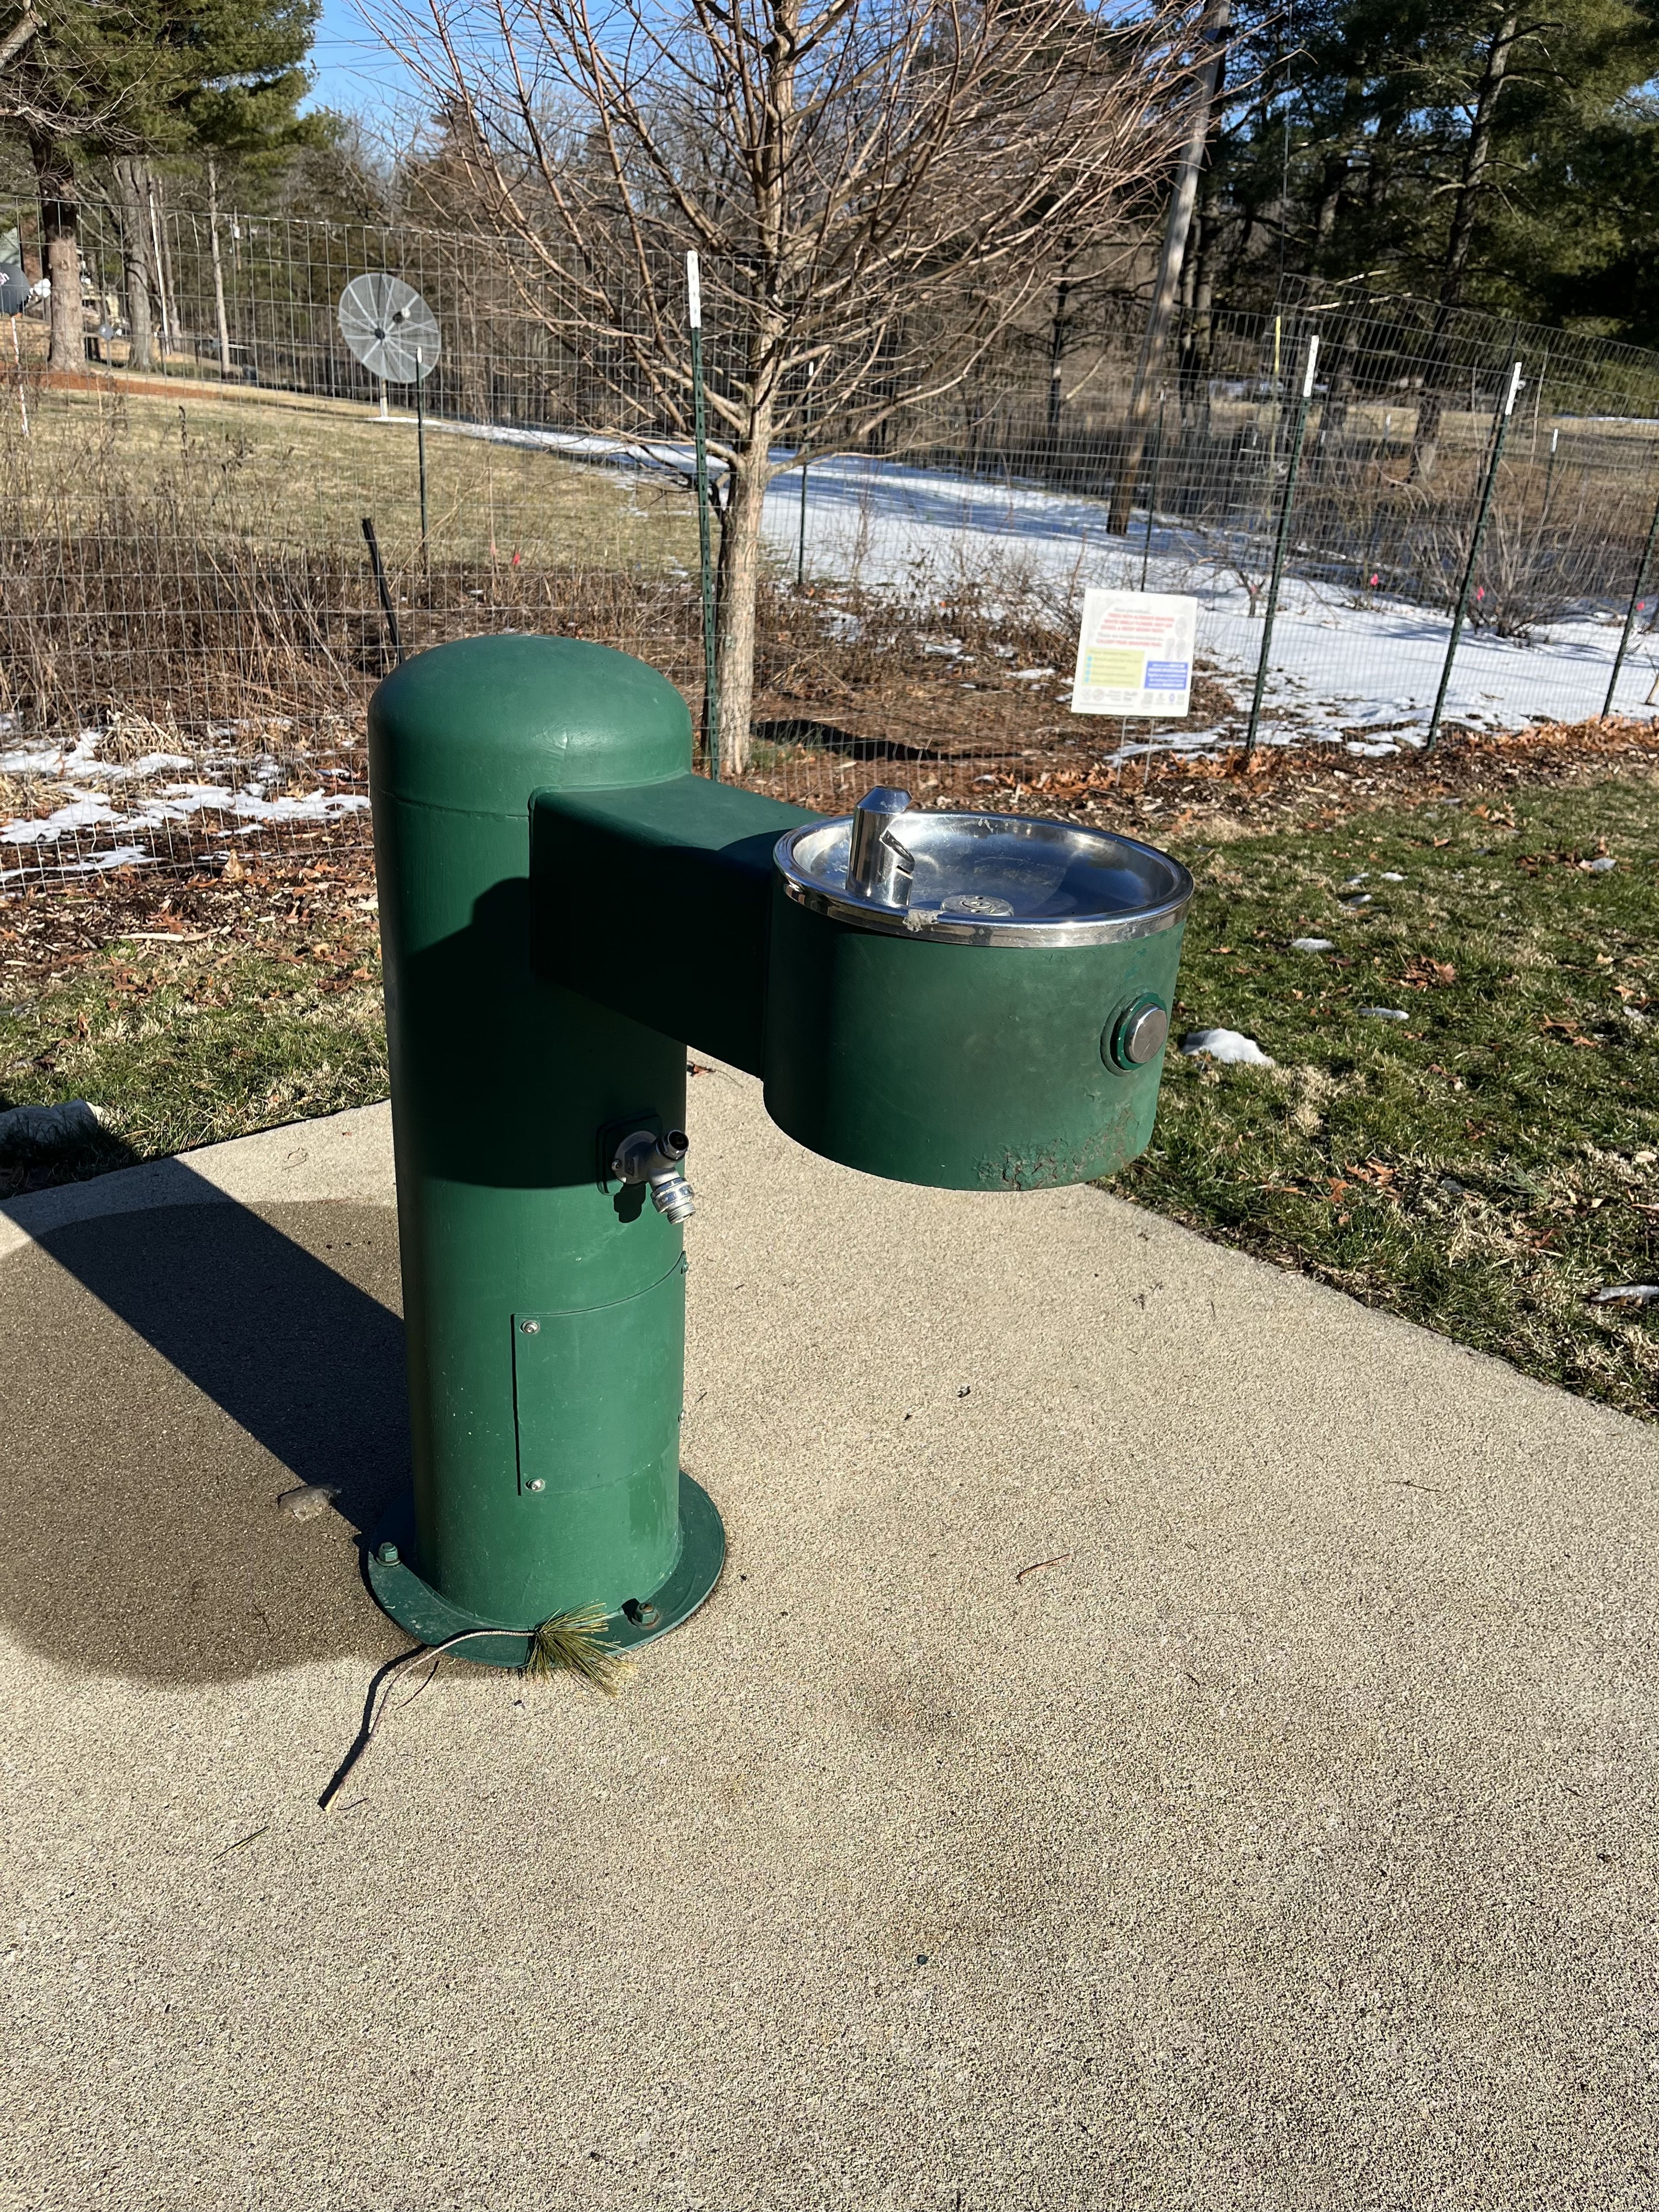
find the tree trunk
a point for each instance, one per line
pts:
(1477, 159)
(218, 268)
(1218, 18)
(60, 250)
(129, 184)
(738, 580)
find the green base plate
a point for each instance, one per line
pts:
(431, 1619)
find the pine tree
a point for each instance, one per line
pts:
(132, 82)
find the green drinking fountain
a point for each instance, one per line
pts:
(969, 1001)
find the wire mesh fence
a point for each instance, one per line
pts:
(190, 621)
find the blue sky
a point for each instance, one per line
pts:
(353, 70)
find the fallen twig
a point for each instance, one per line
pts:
(1036, 1565)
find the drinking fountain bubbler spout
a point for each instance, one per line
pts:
(878, 866)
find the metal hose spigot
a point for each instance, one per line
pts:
(655, 1161)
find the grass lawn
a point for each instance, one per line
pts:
(237, 1009)
(319, 466)
(1482, 1167)
(1486, 1165)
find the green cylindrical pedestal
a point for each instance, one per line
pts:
(545, 1306)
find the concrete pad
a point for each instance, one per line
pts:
(1285, 1840)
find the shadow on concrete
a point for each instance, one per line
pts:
(168, 1374)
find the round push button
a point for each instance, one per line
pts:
(1138, 1035)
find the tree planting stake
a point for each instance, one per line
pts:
(1279, 542)
(386, 607)
(1499, 432)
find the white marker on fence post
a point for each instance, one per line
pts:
(710, 696)
(1500, 431)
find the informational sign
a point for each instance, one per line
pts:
(1135, 653)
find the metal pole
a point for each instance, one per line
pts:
(800, 544)
(161, 276)
(1500, 434)
(1152, 496)
(420, 442)
(1279, 542)
(17, 359)
(711, 733)
(1630, 612)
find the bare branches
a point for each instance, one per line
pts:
(877, 188)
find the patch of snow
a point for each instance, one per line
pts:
(1621, 1293)
(1312, 945)
(887, 522)
(1227, 1046)
(1599, 867)
(81, 813)
(96, 864)
(1385, 1013)
(130, 771)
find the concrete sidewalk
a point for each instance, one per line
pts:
(1285, 1840)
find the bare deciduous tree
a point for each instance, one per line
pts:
(878, 190)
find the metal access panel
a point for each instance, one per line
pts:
(596, 1395)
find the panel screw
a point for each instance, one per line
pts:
(530, 1327)
(387, 1555)
(538, 1484)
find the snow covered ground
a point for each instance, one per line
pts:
(1338, 670)
(94, 827)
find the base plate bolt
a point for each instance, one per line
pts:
(387, 1555)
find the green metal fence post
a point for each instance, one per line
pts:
(1630, 613)
(711, 731)
(1500, 431)
(801, 542)
(1280, 541)
(420, 441)
(1152, 496)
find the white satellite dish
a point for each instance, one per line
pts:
(389, 328)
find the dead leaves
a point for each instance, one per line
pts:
(1573, 1037)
